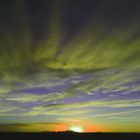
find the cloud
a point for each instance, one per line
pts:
(81, 108)
(91, 91)
(5, 107)
(98, 67)
(116, 114)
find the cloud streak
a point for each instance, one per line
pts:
(92, 73)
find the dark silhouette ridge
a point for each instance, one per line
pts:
(70, 135)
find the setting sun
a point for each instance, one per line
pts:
(76, 129)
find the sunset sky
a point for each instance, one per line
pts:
(67, 63)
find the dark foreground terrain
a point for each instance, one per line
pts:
(70, 136)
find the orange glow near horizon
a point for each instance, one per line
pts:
(87, 126)
(61, 127)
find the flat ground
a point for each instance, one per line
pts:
(71, 136)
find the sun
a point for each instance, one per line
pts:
(77, 129)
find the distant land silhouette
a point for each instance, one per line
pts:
(69, 135)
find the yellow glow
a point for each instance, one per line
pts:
(77, 129)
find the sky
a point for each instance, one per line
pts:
(67, 63)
